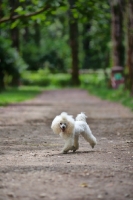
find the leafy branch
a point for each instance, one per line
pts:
(15, 17)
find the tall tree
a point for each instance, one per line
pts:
(86, 44)
(130, 44)
(117, 32)
(14, 31)
(73, 37)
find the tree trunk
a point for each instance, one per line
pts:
(73, 36)
(117, 32)
(2, 85)
(86, 45)
(37, 34)
(26, 34)
(14, 31)
(15, 79)
(15, 41)
(15, 38)
(130, 44)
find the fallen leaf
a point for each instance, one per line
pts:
(84, 185)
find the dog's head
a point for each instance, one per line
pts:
(63, 123)
(63, 126)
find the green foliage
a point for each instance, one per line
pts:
(13, 95)
(60, 80)
(11, 64)
(44, 38)
(32, 55)
(46, 79)
(29, 11)
(39, 78)
(53, 36)
(46, 47)
(97, 36)
(96, 84)
(34, 84)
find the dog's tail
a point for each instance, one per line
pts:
(81, 117)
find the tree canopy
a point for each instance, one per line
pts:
(66, 35)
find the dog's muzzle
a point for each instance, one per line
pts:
(63, 127)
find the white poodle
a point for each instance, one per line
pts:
(70, 129)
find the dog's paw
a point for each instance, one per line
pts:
(64, 152)
(93, 145)
(74, 149)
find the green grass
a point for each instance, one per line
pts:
(96, 85)
(22, 93)
(35, 83)
(45, 79)
(13, 95)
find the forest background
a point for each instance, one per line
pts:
(51, 44)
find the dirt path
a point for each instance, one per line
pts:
(32, 167)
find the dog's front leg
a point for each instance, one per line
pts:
(68, 145)
(76, 142)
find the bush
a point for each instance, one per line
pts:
(97, 85)
(38, 58)
(44, 78)
(11, 64)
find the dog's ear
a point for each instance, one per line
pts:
(70, 126)
(55, 128)
(55, 125)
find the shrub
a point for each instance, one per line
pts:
(44, 78)
(11, 64)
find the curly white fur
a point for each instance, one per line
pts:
(70, 129)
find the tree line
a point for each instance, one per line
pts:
(93, 34)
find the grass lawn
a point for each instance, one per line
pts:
(13, 95)
(35, 83)
(96, 85)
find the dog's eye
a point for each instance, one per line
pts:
(60, 123)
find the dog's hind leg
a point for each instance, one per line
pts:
(89, 137)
